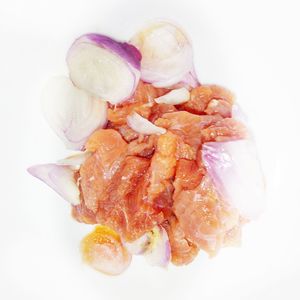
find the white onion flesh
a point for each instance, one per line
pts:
(236, 172)
(75, 160)
(158, 252)
(103, 67)
(167, 56)
(174, 97)
(143, 126)
(60, 179)
(72, 113)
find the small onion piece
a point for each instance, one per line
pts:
(106, 68)
(158, 252)
(167, 55)
(142, 125)
(76, 160)
(103, 250)
(71, 112)
(174, 97)
(60, 179)
(237, 175)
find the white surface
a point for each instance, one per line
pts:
(251, 47)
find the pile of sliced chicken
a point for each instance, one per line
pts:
(164, 166)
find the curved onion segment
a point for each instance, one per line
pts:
(143, 126)
(177, 96)
(106, 68)
(59, 178)
(102, 249)
(167, 57)
(158, 252)
(71, 112)
(236, 172)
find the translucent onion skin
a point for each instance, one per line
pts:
(60, 179)
(167, 55)
(116, 87)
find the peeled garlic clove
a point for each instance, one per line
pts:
(174, 97)
(167, 56)
(60, 179)
(143, 126)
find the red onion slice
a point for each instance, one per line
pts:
(106, 68)
(71, 112)
(158, 252)
(174, 97)
(143, 126)
(60, 179)
(167, 56)
(237, 175)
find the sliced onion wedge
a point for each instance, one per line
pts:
(74, 161)
(60, 179)
(103, 250)
(167, 56)
(158, 252)
(143, 126)
(106, 68)
(71, 112)
(237, 175)
(174, 97)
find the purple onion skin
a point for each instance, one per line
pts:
(126, 51)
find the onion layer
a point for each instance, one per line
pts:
(158, 252)
(60, 179)
(236, 172)
(71, 112)
(106, 68)
(167, 56)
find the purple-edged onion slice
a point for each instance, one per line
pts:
(60, 179)
(174, 97)
(142, 125)
(72, 113)
(158, 252)
(167, 56)
(236, 172)
(106, 68)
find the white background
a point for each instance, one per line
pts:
(252, 47)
